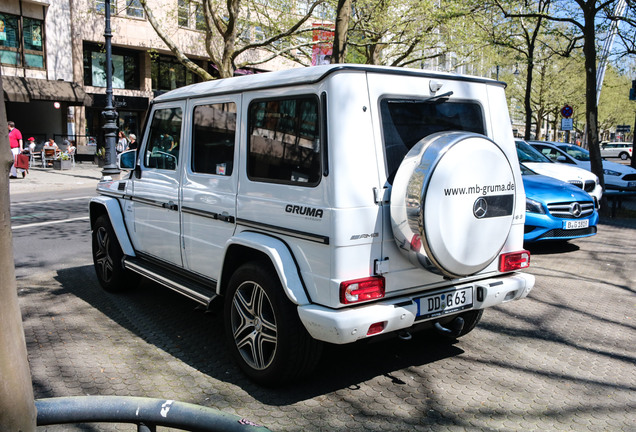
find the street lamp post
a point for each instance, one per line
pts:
(109, 113)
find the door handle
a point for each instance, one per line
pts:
(170, 206)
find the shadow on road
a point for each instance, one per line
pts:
(551, 247)
(184, 330)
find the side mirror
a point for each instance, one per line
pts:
(561, 158)
(127, 160)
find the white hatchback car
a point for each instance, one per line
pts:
(323, 204)
(540, 164)
(617, 150)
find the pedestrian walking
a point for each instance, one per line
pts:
(122, 143)
(15, 141)
(132, 145)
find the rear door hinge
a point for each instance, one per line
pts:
(381, 266)
(381, 196)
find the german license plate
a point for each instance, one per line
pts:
(444, 303)
(576, 224)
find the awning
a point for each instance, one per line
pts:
(17, 89)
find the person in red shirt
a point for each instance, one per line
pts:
(15, 140)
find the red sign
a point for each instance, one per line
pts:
(323, 48)
(567, 111)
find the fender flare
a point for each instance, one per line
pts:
(280, 257)
(112, 207)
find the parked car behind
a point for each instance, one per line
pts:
(616, 176)
(617, 149)
(539, 163)
(556, 210)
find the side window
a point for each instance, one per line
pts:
(547, 152)
(162, 149)
(214, 130)
(284, 141)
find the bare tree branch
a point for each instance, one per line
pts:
(173, 47)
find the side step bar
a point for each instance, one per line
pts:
(196, 290)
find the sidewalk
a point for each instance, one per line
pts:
(39, 179)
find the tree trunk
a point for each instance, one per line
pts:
(17, 409)
(342, 28)
(591, 114)
(527, 99)
(633, 161)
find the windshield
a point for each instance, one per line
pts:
(577, 153)
(526, 153)
(526, 171)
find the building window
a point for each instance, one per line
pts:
(21, 48)
(134, 9)
(33, 48)
(125, 71)
(259, 34)
(199, 17)
(284, 141)
(100, 6)
(168, 73)
(191, 15)
(183, 13)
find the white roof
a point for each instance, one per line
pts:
(304, 75)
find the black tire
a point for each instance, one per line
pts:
(263, 331)
(107, 258)
(623, 156)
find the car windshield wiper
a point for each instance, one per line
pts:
(440, 98)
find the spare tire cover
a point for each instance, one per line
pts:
(452, 203)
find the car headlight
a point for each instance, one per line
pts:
(533, 206)
(610, 172)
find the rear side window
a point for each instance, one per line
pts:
(284, 141)
(406, 122)
(162, 150)
(214, 131)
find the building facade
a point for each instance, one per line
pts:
(53, 63)
(37, 69)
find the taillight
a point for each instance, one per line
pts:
(514, 261)
(358, 290)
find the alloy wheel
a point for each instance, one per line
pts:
(254, 325)
(103, 260)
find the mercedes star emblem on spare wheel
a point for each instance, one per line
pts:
(575, 209)
(480, 208)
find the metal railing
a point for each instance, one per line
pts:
(146, 413)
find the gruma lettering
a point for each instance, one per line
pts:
(304, 211)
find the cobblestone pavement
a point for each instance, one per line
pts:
(561, 360)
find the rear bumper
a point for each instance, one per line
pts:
(341, 326)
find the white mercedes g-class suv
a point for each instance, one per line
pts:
(322, 204)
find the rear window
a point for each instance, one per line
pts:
(406, 122)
